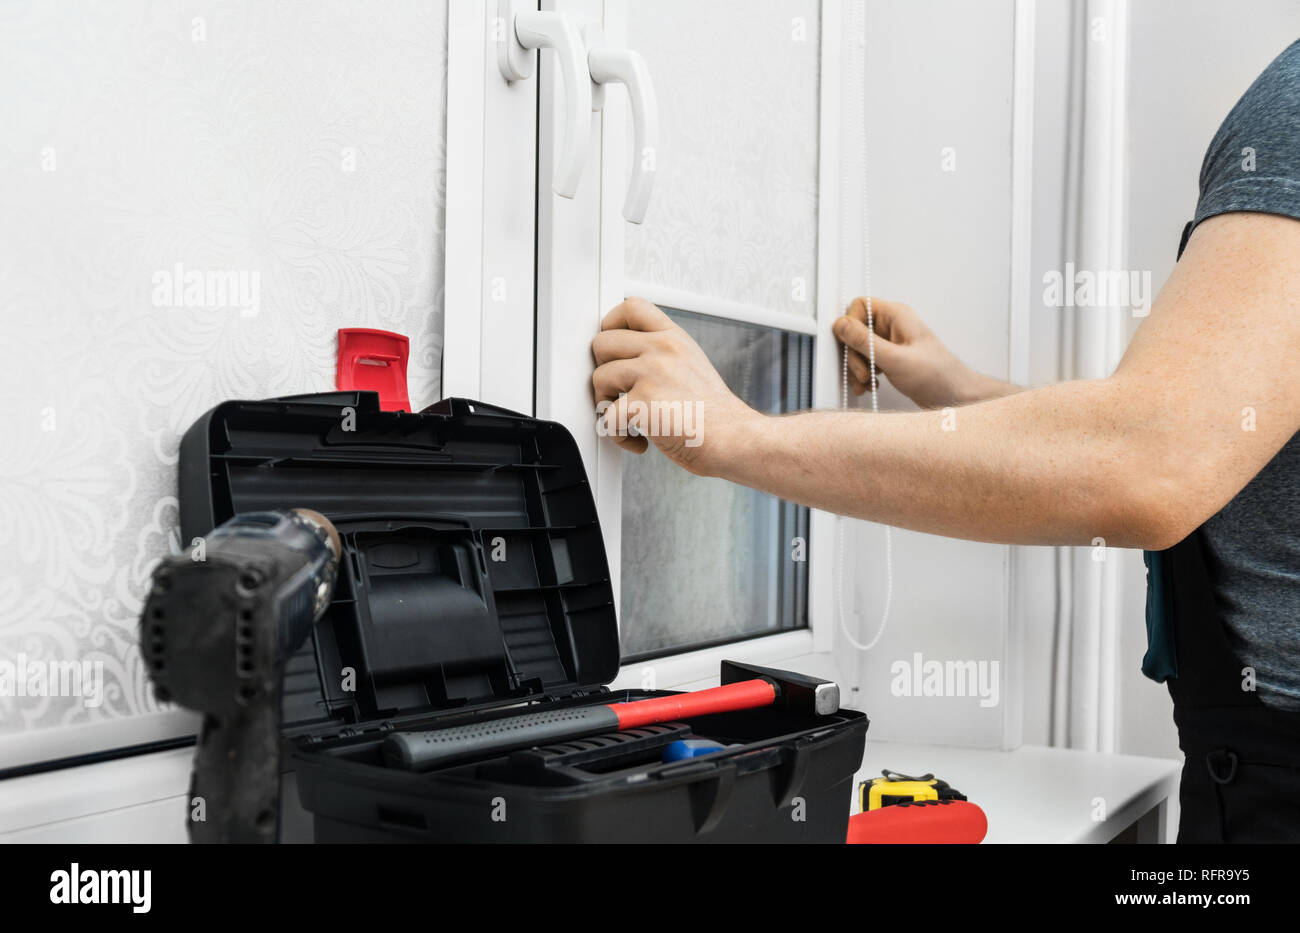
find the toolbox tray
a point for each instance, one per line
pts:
(474, 584)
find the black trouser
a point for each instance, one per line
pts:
(1241, 776)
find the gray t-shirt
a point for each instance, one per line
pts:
(1253, 543)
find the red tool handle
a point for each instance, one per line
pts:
(923, 821)
(422, 751)
(747, 694)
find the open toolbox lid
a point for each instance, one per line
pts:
(473, 568)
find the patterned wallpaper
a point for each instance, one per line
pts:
(193, 198)
(734, 212)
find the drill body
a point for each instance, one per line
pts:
(216, 630)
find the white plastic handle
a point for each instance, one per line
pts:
(628, 68)
(530, 29)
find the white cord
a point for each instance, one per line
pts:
(859, 28)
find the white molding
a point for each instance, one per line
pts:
(488, 300)
(850, 239)
(822, 538)
(509, 235)
(35, 806)
(1117, 339)
(614, 166)
(712, 306)
(1099, 336)
(1021, 290)
(462, 317)
(1022, 180)
(55, 743)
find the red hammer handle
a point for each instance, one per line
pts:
(747, 694)
(422, 751)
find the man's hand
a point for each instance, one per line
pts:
(915, 361)
(651, 376)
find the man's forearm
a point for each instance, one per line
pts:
(1066, 463)
(977, 387)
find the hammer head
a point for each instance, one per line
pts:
(797, 692)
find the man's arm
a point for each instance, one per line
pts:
(1140, 459)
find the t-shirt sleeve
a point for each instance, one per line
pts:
(1253, 163)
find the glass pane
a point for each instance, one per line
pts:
(290, 154)
(706, 561)
(734, 213)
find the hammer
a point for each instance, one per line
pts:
(744, 686)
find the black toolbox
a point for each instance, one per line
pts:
(474, 584)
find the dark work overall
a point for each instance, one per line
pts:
(1241, 774)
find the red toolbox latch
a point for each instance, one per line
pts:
(374, 361)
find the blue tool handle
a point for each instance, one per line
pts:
(683, 749)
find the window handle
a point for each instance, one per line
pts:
(526, 29)
(608, 65)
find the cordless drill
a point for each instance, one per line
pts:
(216, 630)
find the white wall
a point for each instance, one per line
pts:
(1190, 60)
(939, 74)
(137, 136)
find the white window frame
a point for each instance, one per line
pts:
(580, 276)
(488, 322)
